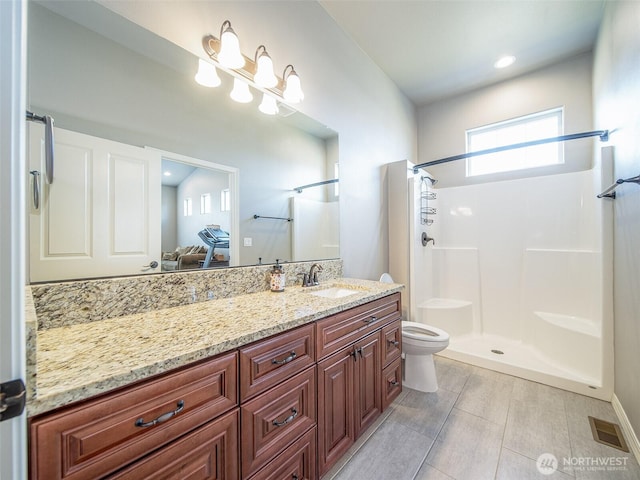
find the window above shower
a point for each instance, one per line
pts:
(546, 124)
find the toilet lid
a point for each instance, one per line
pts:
(386, 278)
(420, 331)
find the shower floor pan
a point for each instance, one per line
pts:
(515, 358)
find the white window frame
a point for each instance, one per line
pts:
(225, 200)
(205, 203)
(525, 158)
(187, 207)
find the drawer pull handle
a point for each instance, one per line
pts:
(291, 356)
(294, 414)
(162, 418)
(394, 383)
(395, 343)
(294, 477)
(369, 320)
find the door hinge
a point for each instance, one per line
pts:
(13, 398)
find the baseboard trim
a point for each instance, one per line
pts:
(627, 429)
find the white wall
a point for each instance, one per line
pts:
(201, 181)
(442, 124)
(343, 88)
(169, 214)
(616, 99)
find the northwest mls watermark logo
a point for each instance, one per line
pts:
(548, 464)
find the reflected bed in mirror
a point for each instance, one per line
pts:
(141, 94)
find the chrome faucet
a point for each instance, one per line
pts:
(310, 279)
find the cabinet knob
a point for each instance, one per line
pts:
(395, 343)
(371, 319)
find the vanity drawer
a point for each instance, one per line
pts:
(271, 421)
(209, 453)
(270, 361)
(101, 435)
(344, 328)
(297, 461)
(391, 382)
(391, 342)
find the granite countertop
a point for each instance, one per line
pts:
(78, 361)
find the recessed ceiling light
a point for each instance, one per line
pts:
(505, 61)
(167, 174)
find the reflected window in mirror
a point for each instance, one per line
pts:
(225, 200)
(188, 207)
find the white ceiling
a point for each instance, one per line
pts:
(437, 48)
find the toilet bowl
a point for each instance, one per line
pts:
(419, 343)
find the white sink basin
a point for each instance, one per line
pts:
(334, 292)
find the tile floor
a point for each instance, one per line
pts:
(481, 425)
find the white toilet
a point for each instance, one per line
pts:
(419, 343)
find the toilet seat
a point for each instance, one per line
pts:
(424, 333)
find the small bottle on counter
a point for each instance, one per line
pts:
(278, 278)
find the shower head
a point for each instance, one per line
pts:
(432, 180)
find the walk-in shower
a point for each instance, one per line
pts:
(519, 272)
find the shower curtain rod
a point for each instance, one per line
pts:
(603, 134)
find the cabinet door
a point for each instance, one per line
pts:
(99, 436)
(335, 407)
(209, 453)
(273, 420)
(391, 342)
(391, 382)
(368, 400)
(298, 461)
(268, 362)
(101, 215)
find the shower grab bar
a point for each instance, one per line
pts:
(603, 134)
(48, 142)
(610, 193)
(317, 184)
(274, 218)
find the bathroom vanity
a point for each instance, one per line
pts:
(258, 386)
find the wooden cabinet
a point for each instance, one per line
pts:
(351, 394)
(296, 417)
(97, 437)
(275, 419)
(267, 362)
(297, 462)
(209, 453)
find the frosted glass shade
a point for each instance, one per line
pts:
(264, 76)
(268, 105)
(241, 92)
(293, 92)
(207, 75)
(230, 55)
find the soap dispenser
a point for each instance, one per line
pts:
(278, 278)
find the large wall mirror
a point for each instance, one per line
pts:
(231, 167)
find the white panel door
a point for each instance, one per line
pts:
(101, 215)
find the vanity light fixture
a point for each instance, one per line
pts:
(229, 55)
(241, 92)
(257, 72)
(268, 106)
(207, 75)
(264, 76)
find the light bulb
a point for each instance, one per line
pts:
(264, 76)
(505, 61)
(230, 55)
(207, 75)
(293, 92)
(241, 92)
(269, 106)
